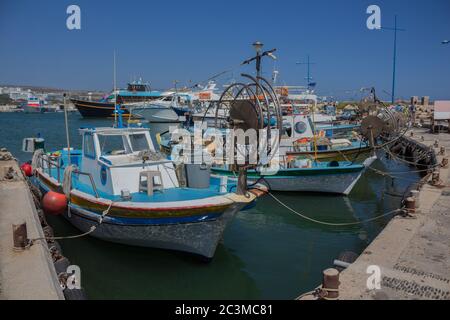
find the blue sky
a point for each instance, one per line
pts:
(191, 40)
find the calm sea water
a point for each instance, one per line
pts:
(267, 252)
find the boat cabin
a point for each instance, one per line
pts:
(298, 135)
(117, 157)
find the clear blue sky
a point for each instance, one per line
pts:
(192, 40)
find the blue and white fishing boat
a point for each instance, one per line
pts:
(307, 176)
(121, 190)
(301, 137)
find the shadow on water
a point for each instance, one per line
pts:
(267, 252)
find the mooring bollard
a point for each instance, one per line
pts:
(444, 163)
(436, 143)
(435, 178)
(410, 205)
(415, 194)
(20, 236)
(330, 284)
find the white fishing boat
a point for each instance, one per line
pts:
(163, 113)
(307, 176)
(121, 190)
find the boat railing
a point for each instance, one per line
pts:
(55, 162)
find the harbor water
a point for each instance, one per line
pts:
(267, 252)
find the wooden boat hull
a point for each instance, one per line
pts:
(94, 109)
(194, 226)
(340, 180)
(199, 238)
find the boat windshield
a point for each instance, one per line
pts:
(139, 142)
(113, 144)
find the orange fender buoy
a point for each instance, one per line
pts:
(54, 203)
(27, 169)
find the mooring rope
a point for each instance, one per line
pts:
(404, 160)
(392, 175)
(67, 180)
(92, 229)
(330, 223)
(35, 163)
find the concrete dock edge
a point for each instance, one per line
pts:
(28, 274)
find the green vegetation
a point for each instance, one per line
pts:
(343, 104)
(5, 99)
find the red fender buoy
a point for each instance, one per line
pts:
(27, 169)
(54, 203)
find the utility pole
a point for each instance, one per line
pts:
(394, 67)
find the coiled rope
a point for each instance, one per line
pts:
(67, 180)
(35, 160)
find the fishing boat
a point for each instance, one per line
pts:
(301, 137)
(120, 189)
(307, 176)
(163, 113)
(34, 105)
(137, 91)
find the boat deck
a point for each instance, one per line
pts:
(166, 195)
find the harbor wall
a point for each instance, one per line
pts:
(410, 258)
(412, 252)
(27, 274)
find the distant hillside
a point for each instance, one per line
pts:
(40, 89)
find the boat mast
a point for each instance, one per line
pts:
(114, 85)
(314, 130)
(66, 121)
(117, 109)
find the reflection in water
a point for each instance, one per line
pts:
(267, 252)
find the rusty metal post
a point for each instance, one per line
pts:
(442, 152)
(330, 283)
(242, 182)
(415, 194)
(444, 163)
(410, 205)
(435, 178)
(20, 236)
(436, 143)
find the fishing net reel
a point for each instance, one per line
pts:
(381, 121)
(250, 106)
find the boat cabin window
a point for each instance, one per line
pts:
(111, 145)
(139, 142)
(88, 146)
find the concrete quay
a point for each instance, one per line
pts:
(413, 253)
(28, 274)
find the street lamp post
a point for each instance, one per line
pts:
(242, 178)
(258, 48)
(259, 54)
